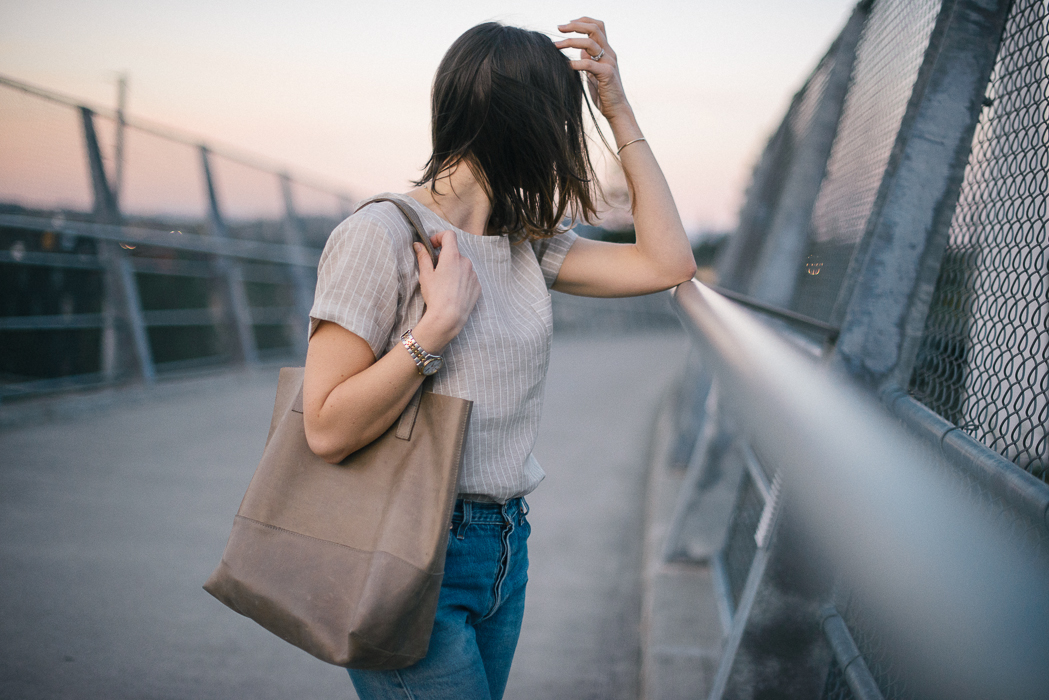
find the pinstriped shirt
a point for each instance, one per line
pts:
(368, 283)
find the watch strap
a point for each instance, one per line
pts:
(421, 357)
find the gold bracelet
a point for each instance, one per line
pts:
(628, 143)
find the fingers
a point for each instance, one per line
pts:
(425, 261)
(593, 28)
(591, 66)
(591, 47)
(423, 255)
(595, 48)
(584, 25)
(591, 20)
(445, 239)
(451, 289)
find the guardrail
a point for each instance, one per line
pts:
(869, 382)
(846, 504)
(168, 254)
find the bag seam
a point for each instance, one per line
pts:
(337, 544)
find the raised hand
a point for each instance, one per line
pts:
(598, 61)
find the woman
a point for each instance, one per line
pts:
(509, 162)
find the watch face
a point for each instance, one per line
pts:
(432, 365)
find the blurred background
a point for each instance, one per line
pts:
(834, 486)
(340, 90)
(255, 124)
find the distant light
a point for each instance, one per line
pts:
(18, 251)
(813, 265)
(127, 246)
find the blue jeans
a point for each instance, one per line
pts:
(478, 614)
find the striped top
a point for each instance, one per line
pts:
(368, 283)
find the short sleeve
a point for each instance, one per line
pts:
(358, 282)
(551, 252)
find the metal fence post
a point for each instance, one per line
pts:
(234, 295)
(784, 248)
(883, 318)
(120, 300)
(301, 285)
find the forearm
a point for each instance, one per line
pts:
(661, 242)
(366, 395)
(362, 407)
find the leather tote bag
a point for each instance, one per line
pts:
(345, 560)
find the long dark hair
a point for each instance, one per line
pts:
(507, 103)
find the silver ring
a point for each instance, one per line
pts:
(598, 56)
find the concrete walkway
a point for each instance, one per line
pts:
(110, 520)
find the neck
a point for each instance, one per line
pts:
(458, 198)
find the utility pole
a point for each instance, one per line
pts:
(118, 157)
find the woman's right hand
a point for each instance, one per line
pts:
(450, 290)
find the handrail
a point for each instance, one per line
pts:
(853, 668)
(124, 346)
(876, 499)
(230, 247)
(807, 322)
(1023, 492)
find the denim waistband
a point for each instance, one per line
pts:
(481, 512)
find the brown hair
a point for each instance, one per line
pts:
(507, 103)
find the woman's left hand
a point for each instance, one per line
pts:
(598, 61)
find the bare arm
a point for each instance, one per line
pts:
(350, 399)
(662, 257)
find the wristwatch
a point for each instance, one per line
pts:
(426, 363)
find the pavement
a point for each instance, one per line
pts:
(113, 513)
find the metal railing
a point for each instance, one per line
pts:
(195, 255)
(839, 497)
(871, 381)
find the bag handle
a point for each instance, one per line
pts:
(406, 422)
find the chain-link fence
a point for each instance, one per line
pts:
(891, 47)
(127, 249)
(888, 57)
(984, 358)
(769, 177)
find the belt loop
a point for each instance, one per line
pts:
(508, 519)
(460, 532)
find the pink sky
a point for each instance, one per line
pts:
(340, 89)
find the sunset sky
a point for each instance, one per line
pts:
(339, 90)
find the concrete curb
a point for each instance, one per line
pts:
(681, 632)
